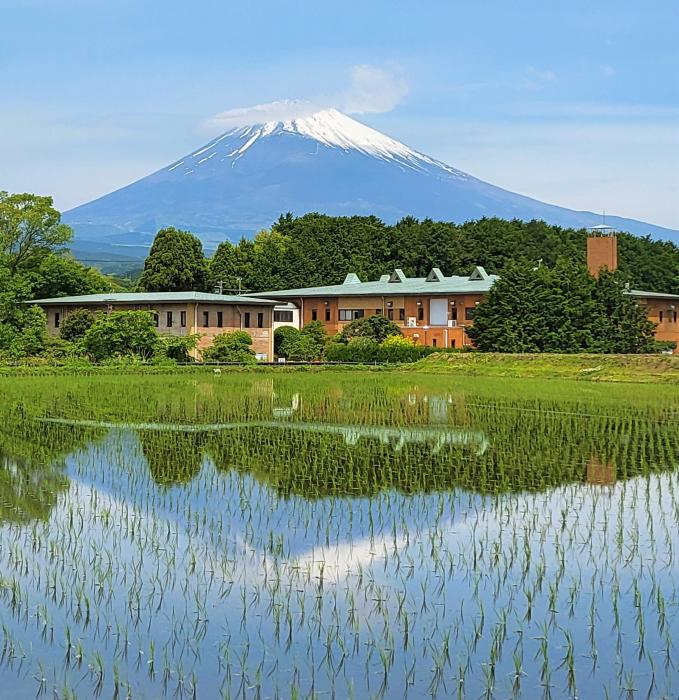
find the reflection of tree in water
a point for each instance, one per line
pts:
(528, 451)
(32, 467)
(172, 458)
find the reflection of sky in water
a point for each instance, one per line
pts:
(222, 568)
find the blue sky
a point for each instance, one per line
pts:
(575, 103)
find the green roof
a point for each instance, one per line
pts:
(396, 284)
(651, 295)
(154, 298)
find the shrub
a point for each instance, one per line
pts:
(396, 348)
(131, 333)
(302, 347)
(376, 327)
(76, 324)
(357, 350)
(280, 336)
(177, 348)
(231, 347)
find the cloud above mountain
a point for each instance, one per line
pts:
(371, 90)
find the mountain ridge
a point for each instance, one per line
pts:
(242, 180)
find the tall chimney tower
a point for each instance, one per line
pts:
(602, 249)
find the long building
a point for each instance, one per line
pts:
(180, 314)
(436, 310)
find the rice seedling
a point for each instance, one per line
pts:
(306, 535)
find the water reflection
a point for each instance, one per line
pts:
(380, 541)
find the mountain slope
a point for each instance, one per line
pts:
(243, 180)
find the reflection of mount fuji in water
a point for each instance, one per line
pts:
(243, 180)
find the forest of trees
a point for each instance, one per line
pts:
(316, 249)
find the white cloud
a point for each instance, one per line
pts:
(280, 110)
(371, 90)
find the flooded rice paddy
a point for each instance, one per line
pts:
(341, 535)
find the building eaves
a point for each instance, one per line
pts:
(650, 295)
(154, 298)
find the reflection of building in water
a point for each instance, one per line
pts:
(286, 411)
(600, 473)
(435, 438)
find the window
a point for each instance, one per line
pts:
(378, 312)
(327, 313)
(433, 342)
(469, 312)
(314, 315)
(390, 314)
(57, 320)
(660, 316)
(182, 319)
(282, 316)
(674, 317)
(220, 319)
(452, 343)
(453, 313)
(350, 314)
(169, 319)
(420, 313)
(246, 319)
(260, 320)
(206, 319)
(155, 319)
(401, 314)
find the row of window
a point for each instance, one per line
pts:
(667, 316)
(247, 319)
(392, 314)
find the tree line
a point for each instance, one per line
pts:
(316, 250)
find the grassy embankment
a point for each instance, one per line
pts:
(598, 368)
(646, 369)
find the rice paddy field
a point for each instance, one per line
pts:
(339, 535)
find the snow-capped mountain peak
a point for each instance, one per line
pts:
(305, 161)
(328, 127)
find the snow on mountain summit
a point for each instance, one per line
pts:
(328, 127)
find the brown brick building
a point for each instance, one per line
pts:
(432, 310)
(436, 310)
(179, 313)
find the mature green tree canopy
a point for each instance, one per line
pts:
(30, 229)
(231, 266)
(121, 333)
(175, 264)
(559, 309)
(57, 275)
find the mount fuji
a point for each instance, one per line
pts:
(241, 181)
